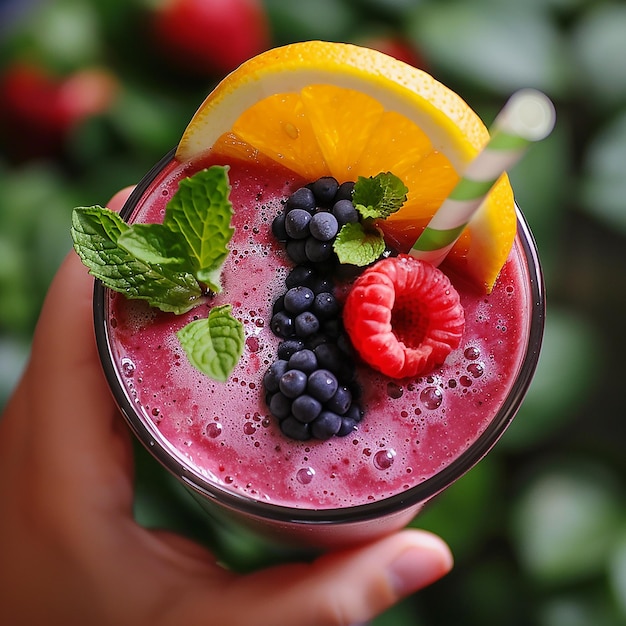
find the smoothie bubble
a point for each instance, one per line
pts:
(213, 430)
(431, 397)
(384, 459)
(305, 475)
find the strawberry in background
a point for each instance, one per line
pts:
(38, 110)
(210, 37)
(396, 47)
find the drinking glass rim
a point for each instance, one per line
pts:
(164, 452)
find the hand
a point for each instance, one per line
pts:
(70, 550)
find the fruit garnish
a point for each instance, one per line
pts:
(403, 316)
(173, 265)
(331, 109)
(311, 387)
(375, 198)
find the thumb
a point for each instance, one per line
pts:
(117, 201)
(344, 587)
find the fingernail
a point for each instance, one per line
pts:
(418, 567)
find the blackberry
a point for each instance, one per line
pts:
(302, 198)
(296, 250)
(306, 324)
(298, 299)
(324, 226)
(301, 276)
(345, 191)
(287, 348)
(297, 223)
(324, 190)
(325, 306)
(303, 360)
(345, 213)
(310, 396)
(306, 408)
(282, 325)
(326, 425)
(310, 388)
(293, 383)
(317, 251)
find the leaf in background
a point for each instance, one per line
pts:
(598, 52)
(64, 34)
(300, 21)
(562, 382)
(476, 499)
(201, 212)
(585, 607)
(542, 185)
(566, 522)
(617, 573)
(604, 175)
(497, 46)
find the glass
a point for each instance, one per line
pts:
(252, 532)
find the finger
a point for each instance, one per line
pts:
(117, 201)
(70, 407)
(64, 359)
(340, 588)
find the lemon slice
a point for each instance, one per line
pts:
(322, 108)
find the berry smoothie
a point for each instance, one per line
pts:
(416, 436)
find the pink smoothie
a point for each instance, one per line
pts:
(224, 432)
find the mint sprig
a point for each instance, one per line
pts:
(213, 345)
(358, 245)
(200, 212)
(166, 285)
(173, 264)
(376, 197)
(379, 196)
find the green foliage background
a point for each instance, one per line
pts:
(539, 527)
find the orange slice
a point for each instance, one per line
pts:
(321, 108)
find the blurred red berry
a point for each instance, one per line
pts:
(398, 48)
(210, 36)
(38, 110)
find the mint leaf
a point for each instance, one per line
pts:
(215, 344)
(379, 196)
(156, 244)
(358, 245)
(96, 232)
(201, 213)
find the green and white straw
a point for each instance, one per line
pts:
(528, 116)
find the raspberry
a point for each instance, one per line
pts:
(403, 316)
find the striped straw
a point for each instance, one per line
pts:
(528, 116)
